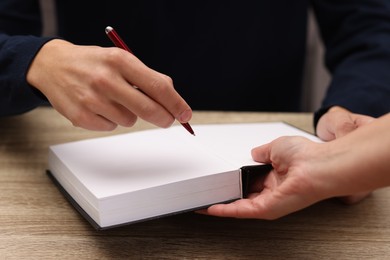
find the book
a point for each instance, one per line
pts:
(132, 177)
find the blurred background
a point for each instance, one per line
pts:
(316, 77)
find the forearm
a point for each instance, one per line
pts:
(359, 161)
(357, 54)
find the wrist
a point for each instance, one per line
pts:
(43, 61)
(325, 161)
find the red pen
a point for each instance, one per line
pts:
(118, 42)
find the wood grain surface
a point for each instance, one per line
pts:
(36, 222)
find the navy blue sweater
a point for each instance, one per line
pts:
(222, 55)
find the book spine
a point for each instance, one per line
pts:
(252, 173)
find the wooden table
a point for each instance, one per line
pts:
(36, 222)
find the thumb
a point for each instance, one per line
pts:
(262, 153)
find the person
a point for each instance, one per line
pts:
(222, 55)
(305, 172)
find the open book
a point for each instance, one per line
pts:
(141, 175)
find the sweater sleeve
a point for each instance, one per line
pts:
(20, 29)
(356, 34)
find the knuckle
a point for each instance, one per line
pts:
(89, 102)
(78, 119)
(100, 81)
(344, 128)
(168, 79)
(152, 114)
(92, 122)
(168, 122)
(113, 55)
(119, 58)
(147, 110)
(110, 126)
(160, 85)
(178, 107)
(129, 122)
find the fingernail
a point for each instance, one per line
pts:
(185, 116)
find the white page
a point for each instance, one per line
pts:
(234, 142)
(114, 165)
(124, 163)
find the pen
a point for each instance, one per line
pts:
(118, 42)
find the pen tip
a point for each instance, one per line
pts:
(188, 128)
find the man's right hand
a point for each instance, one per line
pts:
(93, 87)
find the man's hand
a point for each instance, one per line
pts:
(93, 87)
(338, 122)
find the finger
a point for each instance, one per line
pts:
(265, 154)
(138, 103)
(262, 153)
(242, 208)
(99, 104)
(335, 123)
(157, 86)
(80, 116)
(91, 121)
(338, 125)
(344, 127)
(160, 89)
(361, 120)
(115, 113)
(353, 199)
(338, 122)
(261, 206)
(351, 122)
(249, 208)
